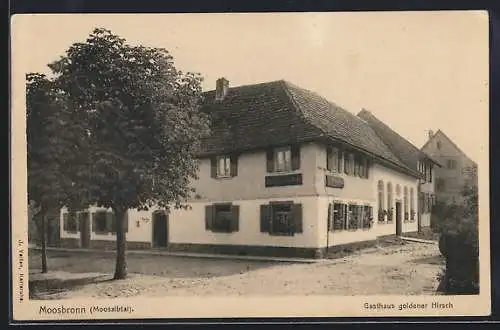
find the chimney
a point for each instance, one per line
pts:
(431, 134)
(221, 88)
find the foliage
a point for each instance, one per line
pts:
(459, 243)
(136, 126)
(47, 152)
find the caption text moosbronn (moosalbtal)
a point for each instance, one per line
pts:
(94, 309)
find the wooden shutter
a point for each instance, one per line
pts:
(295, 151)
(328, 158)
(297, 217)
(110, 222)
(213, 167)
(209, 216)
(125, 222)
(65, 222)
(270, 160)
(235, 218)
(94, 222)
(265, 218)
(329, 218)
(234, 165)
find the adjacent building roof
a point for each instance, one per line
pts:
(279, 112)
(408, 153)
(441, 133)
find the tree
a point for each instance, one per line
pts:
(46, 152)
(139, 127)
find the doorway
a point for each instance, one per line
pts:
(160, 229)
(84, 230)
(398, 218)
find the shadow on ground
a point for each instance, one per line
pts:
(155, 265)
(47, 287)
(433, 260)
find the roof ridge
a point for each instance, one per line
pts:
(388, 127)
(250, 85)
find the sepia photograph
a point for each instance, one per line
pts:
(235, 165)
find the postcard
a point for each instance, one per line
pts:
(250, 165)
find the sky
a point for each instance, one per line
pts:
(416, 71)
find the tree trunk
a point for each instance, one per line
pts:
(121, 246)
(43, 234)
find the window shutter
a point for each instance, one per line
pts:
(329, 158)
(235, 210)
(94, 222)
(213, 167)
(295, 150)
(125, 222)
(270, 160)
(209, 215)
(297, 217)
(65, 222)
(111, 222)
(234, 165)
(265, 218)
(329, 219)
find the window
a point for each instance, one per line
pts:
(352, 164)
(350, 216)
(381, 212)
(101, 222)
(347, 163)
(222, 218)
(412, 205)
(421, 202)
(332, 160)
(283, 159)
(281, 218)
(223, 166)
(451, 164)
(429, 203)
(104, 222)
(430, 173)
(438, 144)
(398, 190)
(389, 202)
(339, 217)
(70, 222)
(405, 204)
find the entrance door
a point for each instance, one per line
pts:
(398, 219)
(85, 230)
(160, 229)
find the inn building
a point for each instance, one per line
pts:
(285, 172)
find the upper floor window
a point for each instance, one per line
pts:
(347, 162)
(283, 159)
(451, 164)
(224, 166)
(438, 144)
(333, 159)
(440, 184)
(398, 190)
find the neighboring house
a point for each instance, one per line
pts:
(458, 169)
(413, 158)
(284, 172)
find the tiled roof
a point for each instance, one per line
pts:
(277, 113)
(402, 148)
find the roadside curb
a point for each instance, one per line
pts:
(187, 255)
(418, 240)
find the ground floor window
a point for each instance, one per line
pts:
(104, 222)
(70, 222)
(281, 218)
(222, 218)
(348, 216)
